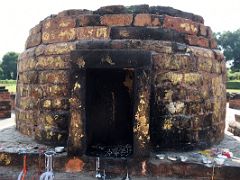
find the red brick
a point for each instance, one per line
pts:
(12, 99)
(53, 62)
(29, 90)
(203, 30)
(26, 64)
(36, 29)
(117, 20)
(56, 77)
(56, 23)
(59, 48)
(29, 53)
(40, 49)
(5, 114)
(209, 32)
(201, 52)
(27, 103)
(218, 55)
(216, 67)
(213, 43)
(234, 103)
(56, 103)
(180, 25)
(74, 165)
(5, 104)
(224, 68)
(55, 90)
(28, 77)
(33, 40)
(61, 35)
(88, 20)
(146, 20)
(4, 96)
(197, 41)
(93, 32)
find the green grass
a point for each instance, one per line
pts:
(11, 87)
(234, 81)
(8, 81)
(9, 84)
(233, 90)
(234, 84)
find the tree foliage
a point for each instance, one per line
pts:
(229, 42)
(9, 65)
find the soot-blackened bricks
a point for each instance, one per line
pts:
(146, 78)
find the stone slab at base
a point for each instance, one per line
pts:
(150, 168)
(144, 168)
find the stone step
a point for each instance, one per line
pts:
(234, 103)
(237, 118)
(234, 127)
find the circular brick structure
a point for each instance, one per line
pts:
(140, 78)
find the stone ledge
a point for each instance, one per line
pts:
(137, 168)
(234, 103)
(12, 141)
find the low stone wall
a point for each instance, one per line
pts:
(234, 126)
(234, 104)
(5, 103)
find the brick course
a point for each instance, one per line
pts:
(117, 20)
(5, 103)
(180, 25)
(146, 20)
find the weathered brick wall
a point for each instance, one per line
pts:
(5, 103)
(188, 75)
(234, 101)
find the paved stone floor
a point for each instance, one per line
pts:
(5, 123)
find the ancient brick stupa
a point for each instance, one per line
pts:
(136, 78)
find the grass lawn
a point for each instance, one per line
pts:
(11, 87)
(235, 84)
(9, 84)
(233, 90)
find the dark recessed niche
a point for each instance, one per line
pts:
(109, 112)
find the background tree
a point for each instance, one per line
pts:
(9, 65)
(229, 42)
(1, 72)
